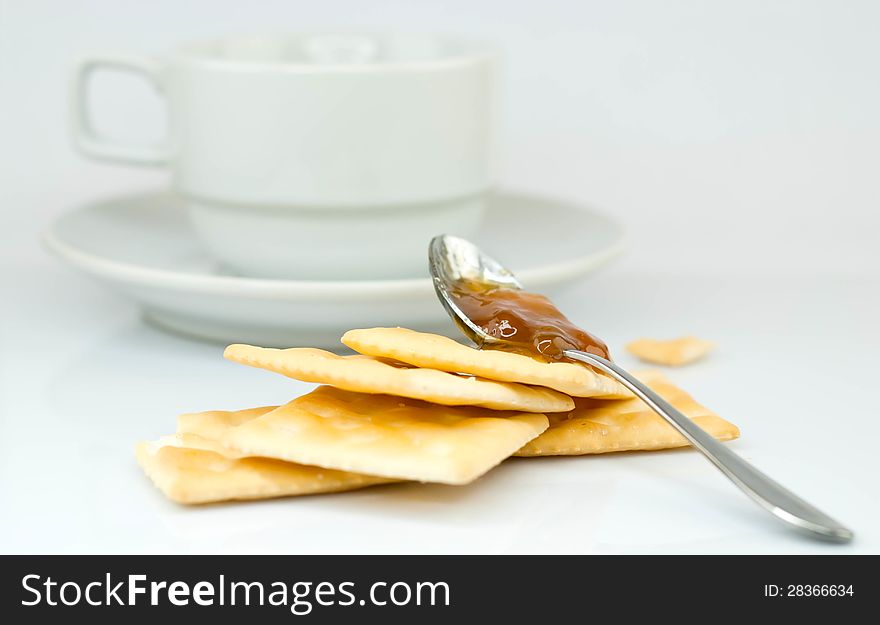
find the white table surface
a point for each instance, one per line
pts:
(738, 142)
(83, 379)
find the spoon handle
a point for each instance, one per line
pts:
(772, 496)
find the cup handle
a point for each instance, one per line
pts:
(90, 143)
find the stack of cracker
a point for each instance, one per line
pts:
(410, 406)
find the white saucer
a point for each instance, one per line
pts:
(142, 246)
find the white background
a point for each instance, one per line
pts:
(739, 142)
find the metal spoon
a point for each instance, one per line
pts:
(453, 260)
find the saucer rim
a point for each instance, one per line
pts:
(128, 273)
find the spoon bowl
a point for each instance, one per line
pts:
(457, 264)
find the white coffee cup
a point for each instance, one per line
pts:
(318, 156)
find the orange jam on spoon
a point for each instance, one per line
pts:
(528, 323)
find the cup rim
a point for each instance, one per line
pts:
(465, 52)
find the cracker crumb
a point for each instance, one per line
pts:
(672, 352)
